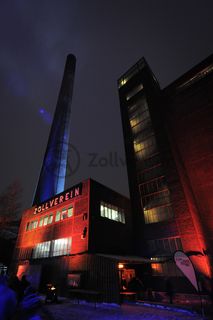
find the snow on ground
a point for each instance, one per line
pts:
(69, 310)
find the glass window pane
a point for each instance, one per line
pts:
(42, 250)
(61, 247)
(41, 222)
(50, 219)
(58, 215)
(112, 212)
(102, 209)
(70, 211)
(45, 220)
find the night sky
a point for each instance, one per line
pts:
(107, 37)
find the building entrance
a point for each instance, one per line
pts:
(125, 276)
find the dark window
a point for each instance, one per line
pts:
(84, 233)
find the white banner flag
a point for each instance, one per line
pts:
(185, 265)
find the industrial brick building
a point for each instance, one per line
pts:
(79, 237)
(168, 140)
(67, 239)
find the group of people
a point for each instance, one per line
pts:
(18, 300)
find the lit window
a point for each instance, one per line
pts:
(70, 212)
(131, 72)
(63, 214)
(58, 215)
(108, 210)
(158, 214)
(112, 212)
(41, 222)
(121, 216)
(61, 247)
(42, 250)
(45, 220)
(35, 224)
(123, 82)
(165, 268)
(32, 225)
(140, 126)
(145, 148)
(50, 219)
(156, 268)
(139, 117)
(102, 210)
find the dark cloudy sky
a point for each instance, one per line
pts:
(107, 37)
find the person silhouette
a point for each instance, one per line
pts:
(8, 300)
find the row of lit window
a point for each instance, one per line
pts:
(141, 126)
(139, 115)
(145, 149)
(52, 248)
(158, 214)
(48, 219)
(142, 117)
(140, 144)
(140, 120)
(112, 212)
(145, 143)
(154, 193)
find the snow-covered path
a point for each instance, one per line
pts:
(85, 311)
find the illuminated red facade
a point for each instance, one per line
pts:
(67, 235)
(168, 141)
(189, 119)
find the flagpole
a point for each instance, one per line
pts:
(200, 294)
